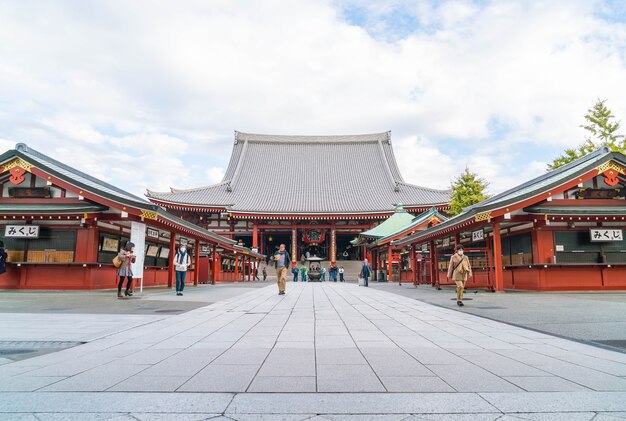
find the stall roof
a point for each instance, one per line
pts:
(527, 190)
(84, 182)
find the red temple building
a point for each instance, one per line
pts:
(563, 230)
(62, 228)
(315, 194)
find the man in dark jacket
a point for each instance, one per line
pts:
(282, 261)
(365, 272)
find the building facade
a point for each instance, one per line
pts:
(563, 230)
(62, 228)
(315, 194)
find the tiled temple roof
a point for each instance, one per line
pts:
(309, 175)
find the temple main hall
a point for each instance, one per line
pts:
(315, 194)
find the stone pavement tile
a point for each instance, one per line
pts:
(599, 364)
(502, 366)
(270, 417)
(243, 356)
(455, 417)
(141, 383)
(150, 356)
(334, 341)
(347, 378)
(358, 403)
(527, 357)
(434, 356)
(221, 378)
(255, 342)
(295, 336)
(551, 416)
(173, 417)
(102, 402)
(414, 341)
(368, 335)
(180, 342)
(186, 363)
(545, 384)
(403, 365)
(415, 384)
(72, 366)
(587, 377)
(295, 345)
(96, 379)
(610, 416)
(557, 401)
(329, 330)
(289, 363)
(27, 383)
(340, 356)
(377, 417)
(282, 384)
(388, 344)
(470, 378)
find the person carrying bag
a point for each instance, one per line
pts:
(459, 269)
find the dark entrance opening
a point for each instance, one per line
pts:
(345, 250)
(273, 241)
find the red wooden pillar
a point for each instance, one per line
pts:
(294, 244)
(170, 266)
(236, 267)
(255, 235)
(389, 264)
(413, 264)
(216, 265)
(457, 239)
(434, 270)
(250, 268)
(497, 257)
(196, 263)
(87, 245)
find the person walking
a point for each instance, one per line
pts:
(332, 272)
(323, 274)
(127, 257)
(341, 271)
(3, 258)
(256, 272)
(181, 263)
(459, 269)
(282, 261)
(303, 272)
(365, 272)
(294, 270)
(264, 273)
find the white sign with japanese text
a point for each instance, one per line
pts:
(606, 234)
(478, 235)
(21, 231)
(153, 233)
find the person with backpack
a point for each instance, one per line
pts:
(181, 263)
(459, 269)
(127, 257)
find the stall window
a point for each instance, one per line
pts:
(521, 249)
(576, 247)
(52, 246)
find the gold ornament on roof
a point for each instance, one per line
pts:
(485, 216)
(148, 214)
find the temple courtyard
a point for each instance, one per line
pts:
(324, 351)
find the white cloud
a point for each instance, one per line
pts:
(155, 90)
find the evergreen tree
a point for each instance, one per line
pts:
(601, 131)
(467, 189)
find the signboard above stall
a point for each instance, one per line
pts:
(21, 231)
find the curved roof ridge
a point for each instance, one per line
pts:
(404, 183)
(273, 138)
(173, 190)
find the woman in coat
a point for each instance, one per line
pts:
(127, 256)
(459, 270)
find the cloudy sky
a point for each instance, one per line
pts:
(147, 94)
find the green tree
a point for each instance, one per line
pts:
(467, 189)
(601, 131)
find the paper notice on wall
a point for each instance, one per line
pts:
(138, 237)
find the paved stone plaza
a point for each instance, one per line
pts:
(323, 351)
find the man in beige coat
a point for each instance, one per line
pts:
(459, 270)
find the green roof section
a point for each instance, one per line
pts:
(399, 220)
(417, 221)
